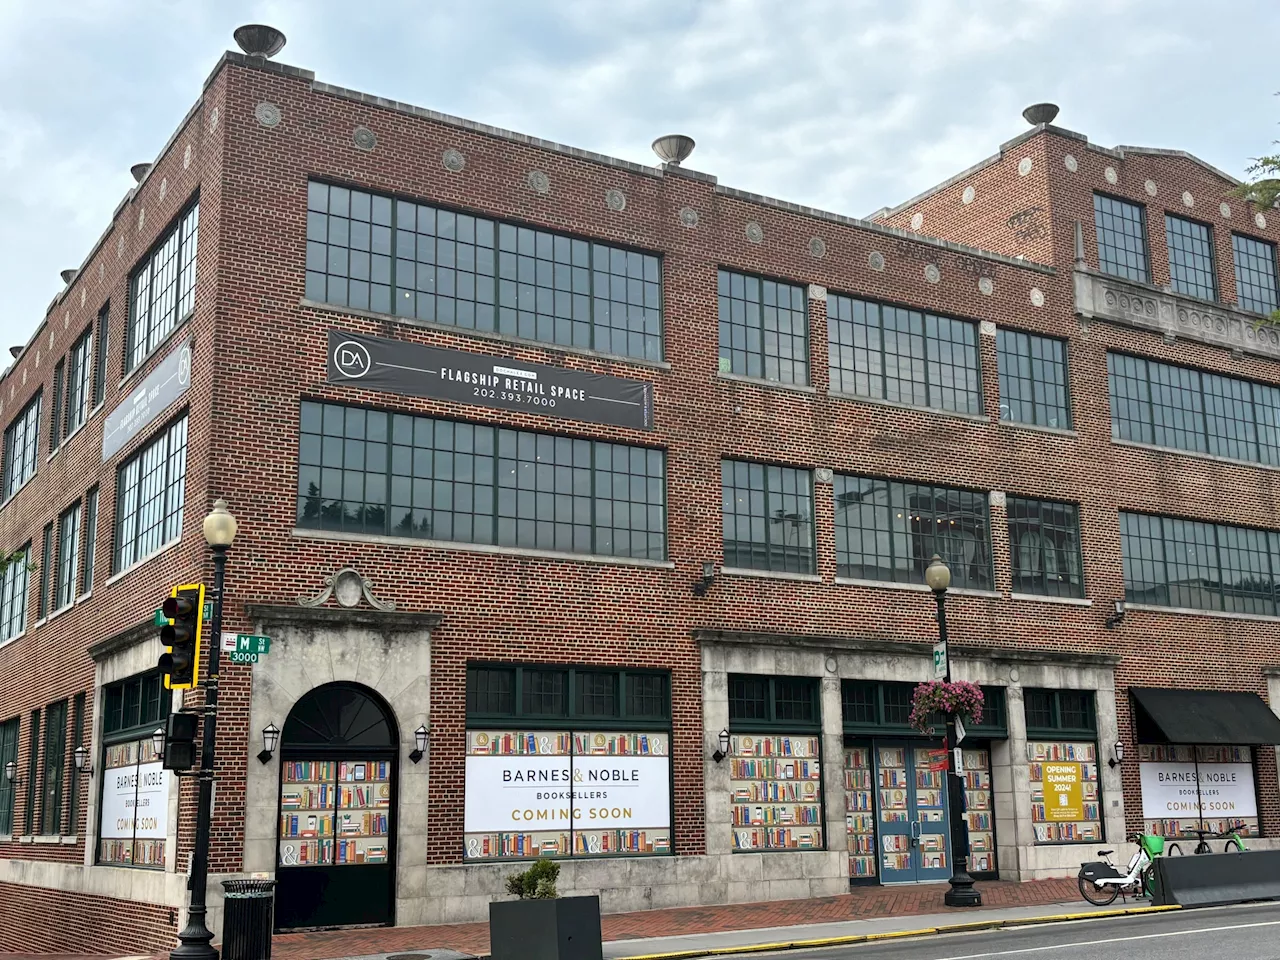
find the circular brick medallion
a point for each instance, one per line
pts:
(1110, 174)
(453, 160)
(817, 248)
(986, 286)
(1037, 297)
(688, 217)
(875, 260)
(186, 157)
(1261, 220)
(755, 232)
(615, 200)
(932, 273)
(1151, 188)
(1024, 166)
(967, 197)
(539, 182)
(1070, 163)
(1187, 199)
(364, 138)
(917, 221)
(1225, 210)
(267, 114)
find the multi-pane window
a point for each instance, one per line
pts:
(1044, 543)
(377, 253)
(1033, 379)
(889, 530)
(13, 594)
(56, 414)
(1122, 238)
(767, 516)
(1191, 257)
(1201, 566)
(77, 740)
(21, 444)
(903, 356)
(162, 291)
(1256, 286)
(44, 600)
(8, 754)
(1059, 711)
(90, 539)
(33, 773)
(368, 471)
(150, 492)
(100, 354)
(791, 702)
(132, 774)
(764, 328)
(55, 764)
(68, 556)
(79, 381)
(1177, 407)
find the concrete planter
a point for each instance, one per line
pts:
(563, 929)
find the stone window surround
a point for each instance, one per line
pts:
(838, 658)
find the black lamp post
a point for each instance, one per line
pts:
(195, 940)
(962, 894)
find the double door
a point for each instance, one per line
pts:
(912, 828)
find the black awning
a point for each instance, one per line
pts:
(1203, 717)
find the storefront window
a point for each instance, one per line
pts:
(1186, 788)
(775, 763)
(133, 821)
(1062, 755)
(567, 762)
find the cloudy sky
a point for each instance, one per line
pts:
(847, 105)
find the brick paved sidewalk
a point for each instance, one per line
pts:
(861, 903)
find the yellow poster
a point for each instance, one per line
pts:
(1063, 793)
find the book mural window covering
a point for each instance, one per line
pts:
(1188, 788)
(133, 823)
(1062, 757)
(979, 809)
(563, 762)
(775, 775)
(334, 812)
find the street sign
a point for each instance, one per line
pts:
(239, 647)
(160, 619)
(937, 761)
(208, 610)
(939, 660)
(235, 656)
(959, 757)
(959, 730)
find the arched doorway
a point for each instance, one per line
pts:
(335, 850)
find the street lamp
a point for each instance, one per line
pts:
(962, 894)
(195, 940)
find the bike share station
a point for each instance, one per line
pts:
(1199, 803)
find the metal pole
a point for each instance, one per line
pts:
(962, 893)
(195, 940)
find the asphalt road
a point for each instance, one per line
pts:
(1239, 933)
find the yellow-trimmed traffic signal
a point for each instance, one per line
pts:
(184, 610)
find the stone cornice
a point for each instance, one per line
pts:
(394, 620)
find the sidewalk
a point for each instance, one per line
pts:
(864, 910)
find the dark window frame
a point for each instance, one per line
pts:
(89, 539)
(1020, 348)
(56, 413)
(47, 574)
(1106, 263)
(33, 772)
(15, 586)
(68, 556)
(1185, 250)
(1057, 728)
(151, 270)
(10, 734)
(101, 348)
(1239, 248)
(54, 767)
(79, 378)
(570, 718)
(77, 740)
(146, 692)
(129, 496)
(776, 557)
(771, 722)
(25, 455)
(752, 292)
(1071, 526)
(872, 693)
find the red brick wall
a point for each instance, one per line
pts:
(41, 920)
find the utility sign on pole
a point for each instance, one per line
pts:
(959, 730)
(939, 660)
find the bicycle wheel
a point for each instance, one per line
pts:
(1173, 850)
(1203, 847)
(1233, 846)
(1098, 896)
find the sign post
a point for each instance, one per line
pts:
(939, 659)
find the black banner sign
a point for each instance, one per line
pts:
(394, 366)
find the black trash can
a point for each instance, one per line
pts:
(247, 919)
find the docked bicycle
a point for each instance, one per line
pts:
(1233, 836)
(1100, 882)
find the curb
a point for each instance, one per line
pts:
(897, 934)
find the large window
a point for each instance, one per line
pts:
(55, 765)
(1033, 379)
(1191, 257)
(1202, 566)
(1255, 274)
(90, 539)
(162, 291)
(1122, 238)
(1044, 543)
(68, 556)
(376, 253)
(1178, 407)
(13, 594)
(567, 761)
(1062, 750)
(889, 530)
(367, 471)
(21, 444)
(150, 492)
(767, 516)
(133, 814)
(8, 754)
(79, 381)
(764, 328)
(903, 356)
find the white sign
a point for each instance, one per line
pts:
(529, 793)
(939, 660)
(135, 802)
(1169, 790)
(959, 766)
(960, 731)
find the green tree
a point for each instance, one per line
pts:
(1263, 186)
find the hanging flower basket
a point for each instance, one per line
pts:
(959, 698)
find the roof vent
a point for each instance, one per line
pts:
(673, 148)
(15, 352)
(259, 40)
(1039, 113)
(139, 170)
(68, 275)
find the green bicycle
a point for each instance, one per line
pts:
(1234, 844)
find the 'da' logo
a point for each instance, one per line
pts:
(351, 359)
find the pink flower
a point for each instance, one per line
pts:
(959, 698)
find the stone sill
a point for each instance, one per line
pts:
(485, 335)
(51, 839)
(770, 574)
(937, 411)
(768, 384)
(1189, 612)
(1044, 598)
(165, 548)
(1038, 428)
(1229, 461)
(916, 587)
(23, 486)
(526, 552)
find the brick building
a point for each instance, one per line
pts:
(611, 488)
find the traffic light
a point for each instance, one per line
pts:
(180, 741)
(184, 609)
